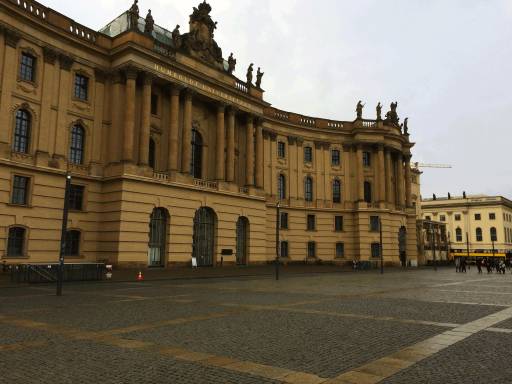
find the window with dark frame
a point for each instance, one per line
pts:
(22, 131)
(335, 157)
(81, 87)
(76, 197)
(311, 223)
(284, 249)
(375, 250)
(492, 216)
(367, 191)
(458, 235)
(152, 153)
(494, 234)
(311, 249)
(28, 67)
(16, 242)
(338, 223)
(281, 149)
(20, 188)
(367, 159)
(308, 154)
(196, 166)
(283, 221)
(428, 218)
(442, 218)
(457, 217)
(308, 189)
(76, 149)
(374, 223)
(281, 187)
(340, 250)
(72, 243)
(478, 216)
(154, 104)
(336, 191)
(479, 236)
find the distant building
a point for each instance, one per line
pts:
(481, 223)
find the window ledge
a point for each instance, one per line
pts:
(19, 205)
(24, 257)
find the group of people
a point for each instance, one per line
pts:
(491, 265)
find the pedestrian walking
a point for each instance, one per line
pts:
(463, 265)
(457, 264)
(479, 265)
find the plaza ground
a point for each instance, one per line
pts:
(415, 326)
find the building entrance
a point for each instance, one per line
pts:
(203, 245)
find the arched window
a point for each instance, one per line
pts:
(479, 234)
(16, 242)
(151, 156)
(76, 149)
(197, 155)
(72, 245)
(494, 234)
(281, 187)
(308, 189)
(458, 235)
(367, 191)
(336, 191)
(22, 131)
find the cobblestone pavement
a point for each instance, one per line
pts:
(335, 328)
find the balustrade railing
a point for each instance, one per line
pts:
(309, 121)
(241, 86)
(163, 49)
(32, 7)
(161, 176)
(82, 32)
(206, 184)
(369, 123)
(334, 124)
(244, 190)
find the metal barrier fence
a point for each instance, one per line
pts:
(47, 273)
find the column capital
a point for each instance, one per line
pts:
(116, 76)
(380, 147)
(65, 62)
(232, 110)
(250, 119)
(148, 78)
(130, 72)
(347, 146)
(292, 140)
(189, 93)
(407, 157)
(50, 55)
(300, 140)
(12, 38)
(175, 89)
(221, 107)
(272, 135)
(100, 75)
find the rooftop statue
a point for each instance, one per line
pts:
(176, 37)
(406, 128)
(259, 76)
(392, 116)
(231, 64)
(133, 14)
(249, 74)
(150, 23)
(379, 111)
(359, 109)
(199, 41)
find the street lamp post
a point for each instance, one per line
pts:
(493, 250)
(278, 214)
(381, 251)
(60, 270)
(467, 244)
(434, 246)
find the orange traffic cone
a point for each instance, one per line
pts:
(140, 277)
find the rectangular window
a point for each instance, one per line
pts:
(338, 223)
(374, 223)
(367, 159)
(284, 220)
(340, 250)
(457, 217)
(16, 242)
(72, 243)
(20, 185)
(76, 196)
(442, 218)
(478, 216)
(311, 222)
(375, 249)
(308, 154)
(492, 216)
(284, 249)
(281, 151)
(428, 218)
(81, 87)
(311, 249)
(335, 157)
(28, 67)
(154, 104)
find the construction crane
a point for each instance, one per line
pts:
(425, 165)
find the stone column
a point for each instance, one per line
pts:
(145, 129)
(129, 122)
(408, 181)
(97, 138)
(230, 157)
(360, 173)
(400, 180)
(389, 172)
(50, 57)
(327, 174)
(346, 166)
(249, 155)
(115, 132)
(220, 149)
(292, 156)
(381, 174)
(8, 81)
(186, 149)
(172, 156)
(300, 167)
(62, 130)
(319, 182)
(273, 163)
(259, 154)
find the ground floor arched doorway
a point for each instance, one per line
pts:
(203, 242)
(157, 237)
(402, 245)
(242, 240)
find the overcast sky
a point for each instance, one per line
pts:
(448, 63)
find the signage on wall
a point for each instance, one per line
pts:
(194, 262)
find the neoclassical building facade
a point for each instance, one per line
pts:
(172, 157)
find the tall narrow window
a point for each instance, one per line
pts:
(76, 149)
(283, 220)
(308, 154)
(375, 249)
(308, 189)
(151, 156)
(281, 151)
(22, 131)
(20, 185)
(367, 159)
(494, 234)
(311, 222)
(338, 223)
(72, 245)
(154, 104)
(374, 223)
(76, 197)
(336, 191)
(284, 249)
(367, 191)
(81, 87)
(16, 242)
(27, 67)
(479, 236)
(311, 249)
(458, 235)
(281, 187)
(197, 155)
(335, 157)
(340, 250)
